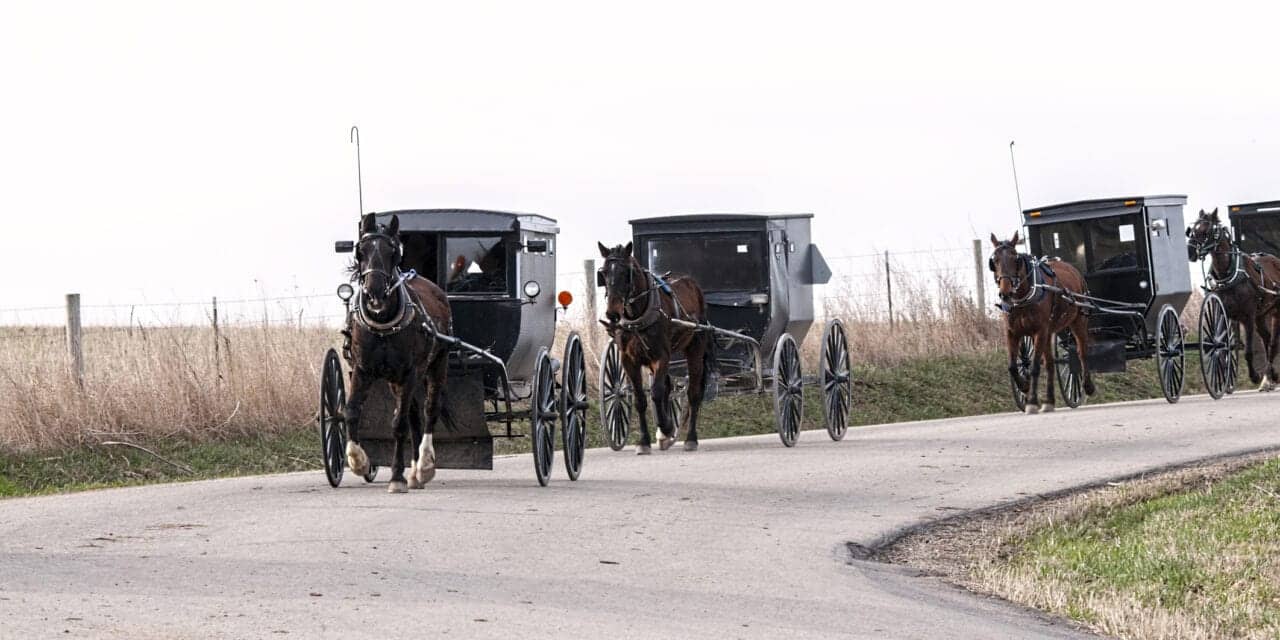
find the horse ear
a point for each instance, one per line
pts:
(995, 242)
(394, 227)
(1014, 241)
(626, 251)
(1214, 215)
(368, 224)
(604, 251)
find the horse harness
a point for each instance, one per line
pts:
(653, 311)
(1237, 270)
(410, 312)
(1037, 270)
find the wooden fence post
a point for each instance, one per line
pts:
(217, 346)
(979, 277)
(75, 344)
(589, 299)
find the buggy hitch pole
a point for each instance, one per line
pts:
(354, 136)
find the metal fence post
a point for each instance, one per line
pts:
(888, 287)
(75, 344)
(979, 278)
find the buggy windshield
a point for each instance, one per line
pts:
(1259, 234)
(722, 262)
(475, 264)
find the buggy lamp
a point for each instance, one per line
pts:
(759, 298)
(532, 289)
(565, 299)
(1142, 284)
(345, 291)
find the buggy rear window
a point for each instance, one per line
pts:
(733, 262)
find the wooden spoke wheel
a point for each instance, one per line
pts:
(1170, 354)
(542, 417)
(616, 397)
(330, 418)
(573, 406)
(837, 381)
(1026, 355)
(1215, 346)
(1067, 366)
(788, 390)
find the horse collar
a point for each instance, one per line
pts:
(404, 315)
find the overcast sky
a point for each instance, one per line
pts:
(162, 151)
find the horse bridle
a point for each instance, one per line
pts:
(1014, 280)
(394, 278)
(1217, 233)
(612, 263)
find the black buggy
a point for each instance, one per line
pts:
(1133, 255)
(757, 274)
(498, 270)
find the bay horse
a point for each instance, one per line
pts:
(639, 308)
(1250, 290)
(394, 323)
(1035, 297)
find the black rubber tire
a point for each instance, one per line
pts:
(788, 390)
(616, 398)
(1170, 354)
(542, 417)
(333, 404)
(1067, 368)
(837, 380)
(573, 405)
(1026, 355)
(1215, 346)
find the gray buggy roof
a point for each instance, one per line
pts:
(469, 221)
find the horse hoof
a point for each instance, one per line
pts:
(1033, 409)
(1089, 389)
(665, 443)
(643, 450)
(414, 483)
(690, 445)
(426, 474)
(357, 460)
(1046, 408)
(397, 486)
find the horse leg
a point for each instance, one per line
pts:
(425, 466)
(1050, 372)
(357, 459)
(1080, 330)
(697, 384)
(405, 394)
(1273, 347)
(1265, 341)
(415, 433)
(1251, 346)
(1033, 395)
(662, 405)
(636, 376)
(1013, 362)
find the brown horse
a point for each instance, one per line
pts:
(1250, 290)
(1035, 296)
(640, 307)
(395, 320)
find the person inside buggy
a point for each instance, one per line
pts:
(478, 265)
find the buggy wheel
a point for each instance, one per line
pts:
(542, 417)
(1215, 346)
(1068, 369)
(1026, 355)
(788, 390)
(1235, 362)
(573, 406)
(837, 381)
(1170, 354)
(615, 397)
(330, 419)
(371, 474)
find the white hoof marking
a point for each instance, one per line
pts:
(357, 460)
(414, 483)
(424, 469)
(1047, 408)
(397, 486)
(1033, 409)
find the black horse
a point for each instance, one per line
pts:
(639, 309)
(1250, 290)
(395, 320)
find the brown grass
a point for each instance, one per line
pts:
(157, 383)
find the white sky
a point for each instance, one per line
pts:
(159, 151)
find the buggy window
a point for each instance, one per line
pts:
(475, 264)
(1065, 241)
(734, 262)
(1259, 234)
(1114, 245)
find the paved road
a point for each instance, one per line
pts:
(743, 539)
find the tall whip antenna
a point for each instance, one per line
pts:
(1017, 192)
(355, 137)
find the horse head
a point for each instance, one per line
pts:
(622, 278)
(1205, 235)
(377, 262)
(1012, 269)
